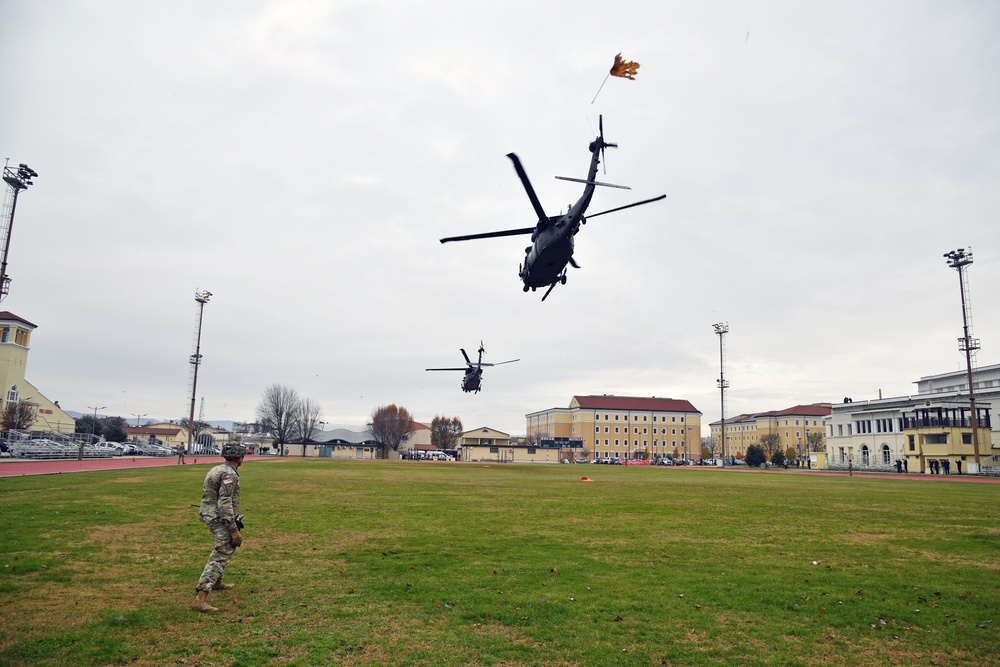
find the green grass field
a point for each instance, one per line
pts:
(396, 563)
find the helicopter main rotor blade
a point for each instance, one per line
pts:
(622, 208)
(501, 363)
(584, 180)
(467, 360)
(537, 205)
(444, 369)
(490, 235)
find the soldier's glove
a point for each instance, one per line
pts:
(234, 533)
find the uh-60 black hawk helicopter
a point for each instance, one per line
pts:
(473, 371)
(551, 246)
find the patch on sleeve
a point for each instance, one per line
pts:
(227, 481)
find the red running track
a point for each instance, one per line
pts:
(21, 467)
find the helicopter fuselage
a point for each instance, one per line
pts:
(552, 242)
(473, 379)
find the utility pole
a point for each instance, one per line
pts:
(93, 429)
(959, 260)
(202, 298)
(721, 329)
(18, 179)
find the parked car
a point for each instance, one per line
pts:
(115, 448)
(665, 462)
(581, 461)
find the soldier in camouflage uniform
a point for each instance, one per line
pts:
(220, 509)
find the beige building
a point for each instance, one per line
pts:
(622, 427)
(164, 433)
(15, 335)
(487, 444)
(793, 427)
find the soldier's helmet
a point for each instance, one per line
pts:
(233, 450)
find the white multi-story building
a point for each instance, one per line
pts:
(878, 433)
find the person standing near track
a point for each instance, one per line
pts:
(220, 510)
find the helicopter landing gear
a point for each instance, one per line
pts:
(562, 279)
(525, 288)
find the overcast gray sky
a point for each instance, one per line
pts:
(301, 160)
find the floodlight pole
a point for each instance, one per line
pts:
(959, 260)
(17, 180)
(721, 329)
(202, 298)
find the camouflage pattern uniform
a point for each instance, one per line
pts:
(220, 503)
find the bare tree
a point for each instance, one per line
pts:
(445, 432)
(278, 413)
(18, 416)
(195, 429)
(815, 441)
(770, 443)
(307, 421)
(390, 425)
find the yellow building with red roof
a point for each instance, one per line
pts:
(623, 427)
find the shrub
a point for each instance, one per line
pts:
(755, 456)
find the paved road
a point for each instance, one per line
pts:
(20, 467)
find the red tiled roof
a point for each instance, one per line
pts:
(806, 411)
(7, 315)
(636, 403)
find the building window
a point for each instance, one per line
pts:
(13, 396)
(616, 442)
(966, 438)
(5, 336)
(886, 454)
(531, 450)
(494, 450)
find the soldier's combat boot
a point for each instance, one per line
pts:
(201, 603)
(219, 586)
